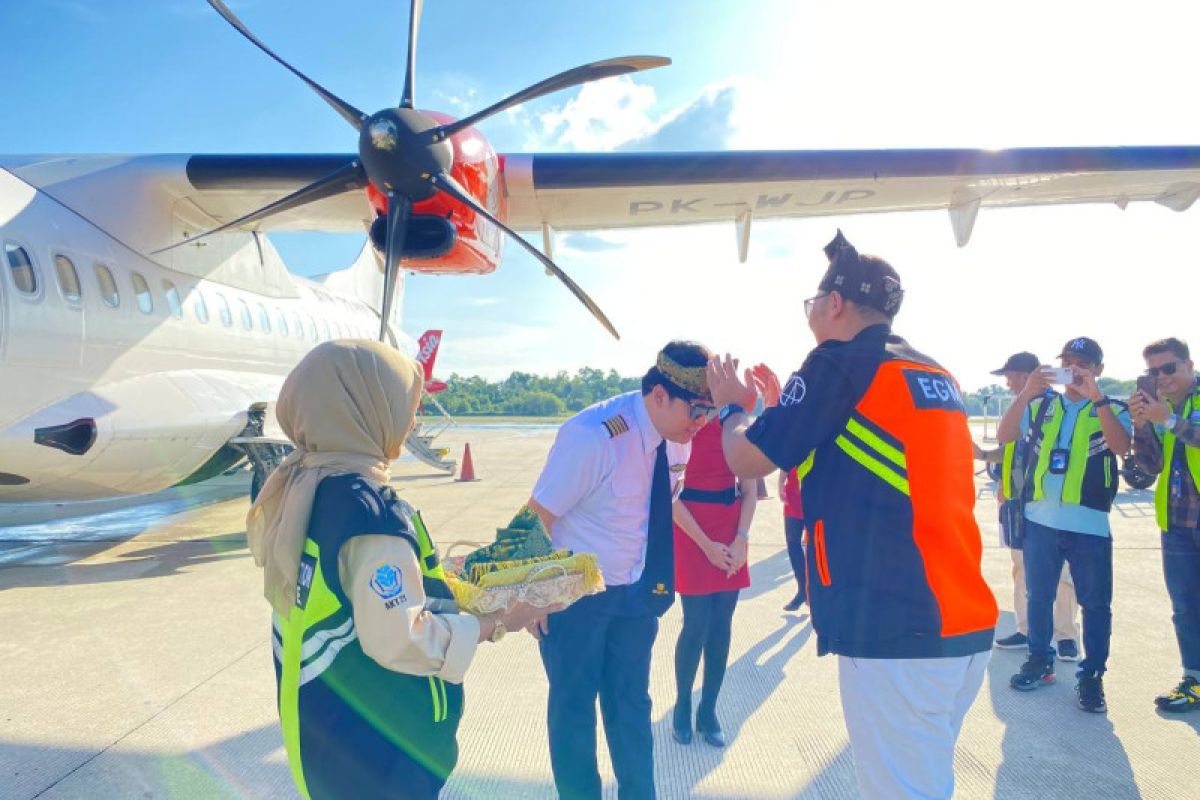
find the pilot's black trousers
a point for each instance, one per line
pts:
(600, 646)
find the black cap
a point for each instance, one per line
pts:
(1085, 348)
(867, 280)
(1019, 362)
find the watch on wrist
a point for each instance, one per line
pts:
(1171, 422)
(1102, 402)
(498, 632)
(728, 411)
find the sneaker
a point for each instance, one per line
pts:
(1014, 642)
(795, 603)
(1068, 650)
(1090, 692)
(1034, 673)
(1183, 698)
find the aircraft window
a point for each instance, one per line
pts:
(223, 310)
(298, 325)
(264, 319)
(109, 292)
(281, 322)
(24, 276)
(247, 317)
(312, 329)
(68, 279)
(145, 300)
(173, 300)
(200, 307)
(328, 330)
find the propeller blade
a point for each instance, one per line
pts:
(414, 23)
(346, 178)
(572, 77)
(349, 112)
(399, 207)
(451, 187)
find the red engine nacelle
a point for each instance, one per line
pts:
(476, 249)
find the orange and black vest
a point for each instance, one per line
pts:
(894, 558)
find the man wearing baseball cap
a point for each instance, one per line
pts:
(1072, 449)
(878, 434)
(1016, 371)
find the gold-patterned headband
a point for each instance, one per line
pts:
(692, 379)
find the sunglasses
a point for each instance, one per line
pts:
(1166, 369)
(810, 302)
(698, 410)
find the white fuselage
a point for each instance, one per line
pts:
(166, 364)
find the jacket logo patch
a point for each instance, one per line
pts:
(304, 579)
(386, 582)
(793, 392)
(933, 390)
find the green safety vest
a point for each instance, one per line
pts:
(1091, 477)
(1193, 462)
(326, 680)
(1006, 470)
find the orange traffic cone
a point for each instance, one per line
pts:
(467, 471)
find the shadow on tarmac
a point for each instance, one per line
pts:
(1090, 763)
(768, 573)
(757, 673)
(28, 771)
(57, 567)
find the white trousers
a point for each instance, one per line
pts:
(904, 716)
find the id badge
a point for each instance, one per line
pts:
(1058, 460)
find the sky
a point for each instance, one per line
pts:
(127, 76)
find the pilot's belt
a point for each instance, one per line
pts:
(724, 497)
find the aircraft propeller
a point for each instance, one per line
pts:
(407, 155)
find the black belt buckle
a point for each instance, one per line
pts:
(1059, 457)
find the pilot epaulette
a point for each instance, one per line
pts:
(616, 426)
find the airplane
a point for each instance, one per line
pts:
(146, 322)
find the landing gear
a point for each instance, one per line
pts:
(264, 458)
(263, 452)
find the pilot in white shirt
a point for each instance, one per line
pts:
(596, 495)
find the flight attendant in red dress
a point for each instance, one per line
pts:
(712, 524)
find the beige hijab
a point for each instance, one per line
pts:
(347, 406)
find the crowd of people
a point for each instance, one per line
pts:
(876, 463)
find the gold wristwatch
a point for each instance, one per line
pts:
(498, 632)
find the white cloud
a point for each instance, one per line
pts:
(602, 116)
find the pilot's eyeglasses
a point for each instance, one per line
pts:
(1166, 369)
(810, 302)
(698, 410)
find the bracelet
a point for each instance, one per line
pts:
(1102, 402)
(743, 534)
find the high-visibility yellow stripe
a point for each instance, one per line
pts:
(884, 449)
(873, 464)
(445, 702)
(437, 700)
(805, 466)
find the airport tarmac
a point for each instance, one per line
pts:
(137, 664)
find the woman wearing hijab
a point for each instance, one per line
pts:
(370, 649)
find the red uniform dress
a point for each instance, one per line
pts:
(793, 507)
(707, 471)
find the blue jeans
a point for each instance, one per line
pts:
(1181, 568)
(1090, 560)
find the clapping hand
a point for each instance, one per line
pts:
(767, 383)
(726, 387)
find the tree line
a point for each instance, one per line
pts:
(524, 394)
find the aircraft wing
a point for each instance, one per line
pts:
(573, 191)
(582, 191)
